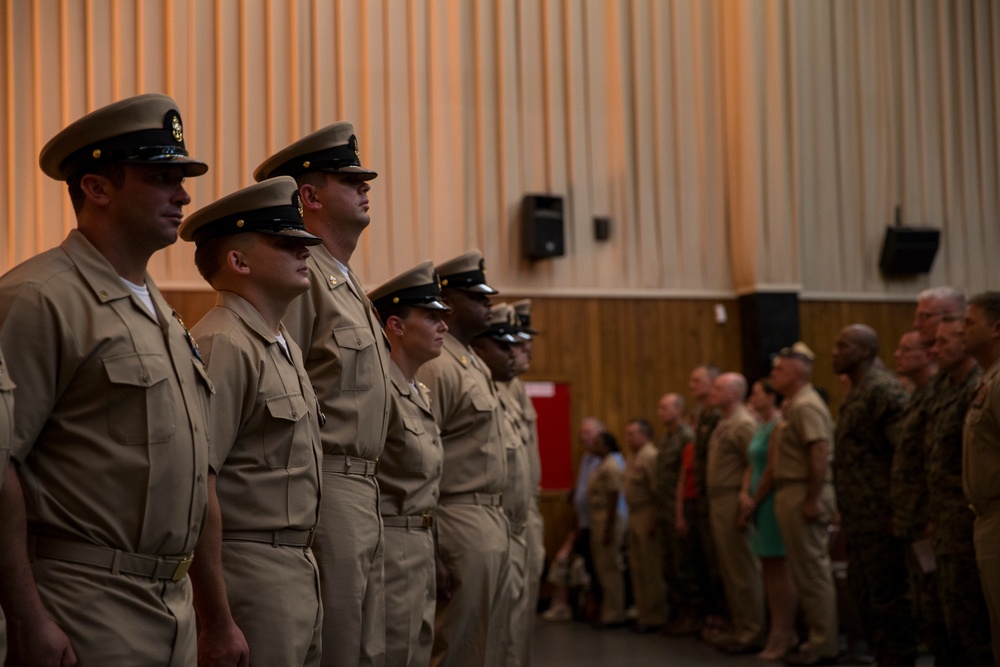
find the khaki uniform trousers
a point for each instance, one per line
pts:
(119, 619)
(348, 549)
(986, 535)
(273, 594)
(410, 592)
(473, 542)
(646, 566)
(536, 565)
(607, 565)
(517, 593)
(808, 557)
(740, 569)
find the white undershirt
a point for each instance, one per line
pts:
(142, 291)
(284, 345)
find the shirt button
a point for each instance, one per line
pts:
(199, 478)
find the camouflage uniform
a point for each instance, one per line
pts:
(965, 614)
(862, 471)
(908, 491)
(714, 596)
(683, 595)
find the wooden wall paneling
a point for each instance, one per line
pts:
(821, 321)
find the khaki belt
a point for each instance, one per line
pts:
(115, 561)
(349, 465)
(487, 499)
(414, 521)
(288, 537)
(985, 507)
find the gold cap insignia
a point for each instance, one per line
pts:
(176, 129)
(239, 223)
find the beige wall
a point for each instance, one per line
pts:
(735, 144)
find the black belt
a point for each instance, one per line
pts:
(288, 537)
(487, 499)
(423, 521)
(115, 561)
(349, 465)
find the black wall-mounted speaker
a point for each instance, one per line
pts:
(542, 227)
(908, 250)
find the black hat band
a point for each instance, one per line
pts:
(335, 158)
(268, 220)
(464, 279)
(165, 143)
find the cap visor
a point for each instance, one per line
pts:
(482, 288)
(360, 172)
(190, 167)
(433, 305)
(300, 235)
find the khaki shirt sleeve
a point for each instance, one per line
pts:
(32, 327)
(233, 401)
(811, 425)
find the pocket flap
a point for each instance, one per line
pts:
(138, 370)
(291, 407)
(354, 338)
(483, 403)
(413, 425)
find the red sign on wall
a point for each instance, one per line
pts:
(555, 440)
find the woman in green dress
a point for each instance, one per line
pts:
(765, 540)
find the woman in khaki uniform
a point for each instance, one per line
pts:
(409, 472)
(607, 530)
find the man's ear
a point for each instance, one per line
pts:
(237, 262)
(309, 196)
(96, 188)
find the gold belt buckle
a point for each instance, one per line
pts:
(426, 519)
(182, 567)
(312, 536)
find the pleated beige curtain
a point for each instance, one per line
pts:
(736, 145)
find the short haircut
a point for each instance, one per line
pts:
(989, 303)
(712, 370)
(596, 421)
(402, 311)
(209, 257)
(113, 171)
(949, 297)
(643, 425)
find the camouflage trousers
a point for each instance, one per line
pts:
(683, 593)
(966, 617)
(927, 611)
(879, 582)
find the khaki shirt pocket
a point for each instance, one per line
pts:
(357, 357)
(140, 400)
(284, 427)
(412, 458)
(483, 403)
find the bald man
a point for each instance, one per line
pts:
(727, 474)
(869, 415)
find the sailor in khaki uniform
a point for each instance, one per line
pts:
(6, 435)
(804, 500)
(495, 347)
(410, 466)
(110, 431)
(472, 533)
(536, 524)
(254, 571)
(347, 357)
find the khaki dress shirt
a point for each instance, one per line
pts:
(346, 356)
(410, 466)
(467, 409)
(110, 430)
(265, 430)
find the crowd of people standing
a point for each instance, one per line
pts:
(731, 513)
